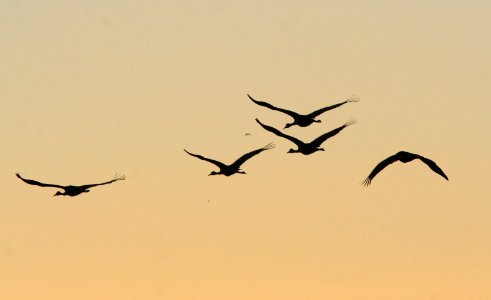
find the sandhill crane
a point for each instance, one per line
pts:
(299, 119)
(404, 157)
(70, 190)
(233, 168)
(307, 148)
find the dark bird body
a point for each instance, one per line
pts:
(299, 119)
(306, 148)
(404, 157)
(233, 168)
(70, 190)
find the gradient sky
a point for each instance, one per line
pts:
(93, 88)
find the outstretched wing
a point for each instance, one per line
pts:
(323, 110)
(116, 178)
(318, 141)
(265, 104)
(381, 165)
(279, 133)
(433, 166)
(34, 182)
(246, 156)
(215, 162)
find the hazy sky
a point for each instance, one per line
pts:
(93, 88)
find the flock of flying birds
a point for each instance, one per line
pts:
(306, 148)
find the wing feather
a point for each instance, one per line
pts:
(280, 134)
(265, 104)
(321, 139)
(116, 178)
(327, 108)
(215, 162)
(379, 167)
(34, 182)
(246, 156)
(433, 166)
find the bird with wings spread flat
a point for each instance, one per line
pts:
(69, 190)
(299, 119)
(233, 168)
(307, 148)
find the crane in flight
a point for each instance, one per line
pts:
(70, 190)
(403, 157)
(307, 148)
(233, 168)
(299, 119)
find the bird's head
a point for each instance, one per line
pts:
(320, 149)
(213, 173)
(317, 121)
(288, 125)
(58, 193)
(293, 151)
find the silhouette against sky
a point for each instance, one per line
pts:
(70, 190)
(403, 157)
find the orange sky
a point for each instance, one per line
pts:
(102, 87)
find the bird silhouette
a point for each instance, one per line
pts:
(307, 148)
(70, 190)
(299, 119)
(404, 157)
(233, 168)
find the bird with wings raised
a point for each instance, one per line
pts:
(307, 148)
(299, 119)
(403, 157)
(70, 190)
(233, 168)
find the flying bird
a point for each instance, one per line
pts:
(404, 157)
(307, 148)
(299, 119)
(233, 168)
(70, 190)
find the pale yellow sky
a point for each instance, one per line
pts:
(102, 87)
